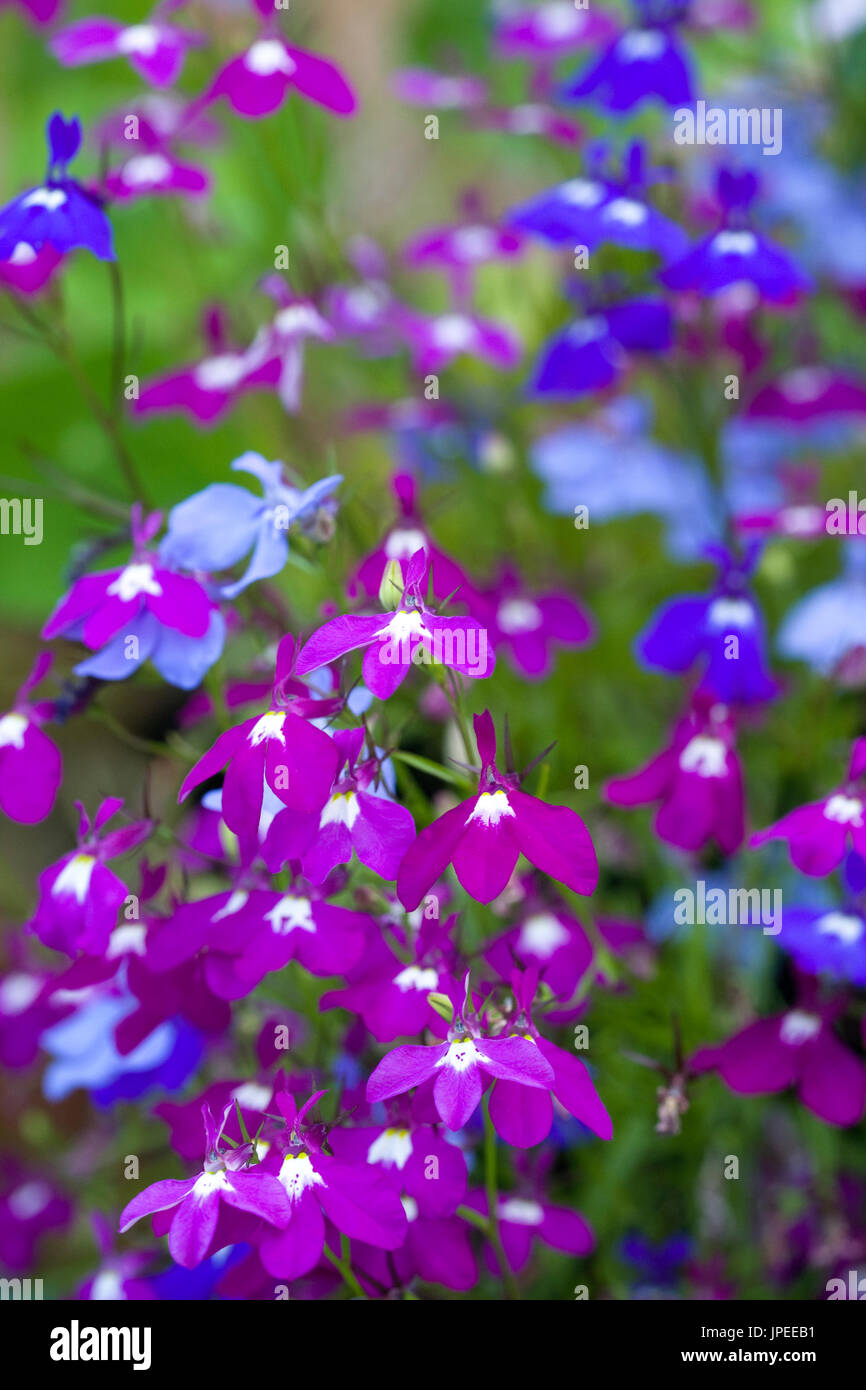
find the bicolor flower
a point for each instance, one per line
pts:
(820, 833)
(79, 898)
(28, 271)
(723, 630)
(145, 610)
(458, 1071)
(280, 749)
(207, 389)
(484, 837)
(549, 30)
(827, 942)
(198, 1204)
(593, 211)
(413, 634)
(645, 62)
(31, 768)
(356, 819)
(354, 1197)
(155, 50)
(438, 340)
(797, 1048)
(58, 213)
(548, 938)
(155, 172)
(214, 529)
(391, 991)
(697, 780)
(459, 251)
(420, 1163)
(529, 625)
(407, 535)
(523, 1219)
(295, 321)
(593, 352)
(810, 393)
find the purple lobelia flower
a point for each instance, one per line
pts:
(198, 1203)
(404, 1151)
(256, 82)
(28, 271)
(279, 749)
(423, 87)
(810, 393)
(549, 30)
(484, 837)
(820, 833)
(391, 992)
(214, 529)
(30, 1206)
(117, 1277)
(458, 251)
(797, 1048)
(827, 942)
(697, 780)
(736, 253)
(596, 210)
(724, 630)
(644, 62)
(354, 820)
(548, 938)
(251, 932)
(435, 342)
(39, 11)
(529, 118)
(458, 1071)
(58, 213)
(354, 1197)
(31, 768)
(296, 319)
(143, 610)
(528, 625)
(401, 542)
(155, 172)
(523, 1116)
(591, 353)
(526, 1217)
(79, 898)
(155, 50)
(413, 634)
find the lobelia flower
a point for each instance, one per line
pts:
(248, 933)
(413, 634)
(423, 87)
(827, 627)
(155, 50)
(522, 1116)
(548, 938)
(831, 942)
(591, 353)
(697, 779)
(530, 625)
(645, 61)
(117, 1277)
(529, 118)
(797, 1048)
(458, 1071)
(207, 389)
(215, 528)
(458, 251)
(391, 993)
(241, 1101)
(59, 213)
(284, 337)
(279, 749)
(31, 768)
(198, 1204)
(549, 30)
(157, 171)
(39, 11)
(145, 610)
(436, 342)
(810, 393)
(820, 833)
(30, 1206)
(736, 253)
(401, 542)
(436, 1249)
(79, 898)
(356, 819)
(256, 82)
(724, 630)
(357, 1199)
(28, 271)
(484, 837)
(524, 1218)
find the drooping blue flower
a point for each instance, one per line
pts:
(645, 62)
(59, 212)
(215, 528)
(827, 940)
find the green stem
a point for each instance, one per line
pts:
(457, 706)
(345, 1268)
(492, 1189)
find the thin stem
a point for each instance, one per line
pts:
(345, 1268)
(491, 1187)
(118, 356)
(457, 706)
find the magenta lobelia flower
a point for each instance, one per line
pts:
(279, 749)
(31, 768)
(484, 837)
(256, 82)
(391, 992)
(357, 1199)
(525, 1217)
(549, 30)
(194, 1230)
(354, 820)
(28, 271)
(100, 606)
(530, 625)
(79, 898)
(295, 321)
(697, 779)
(819, 833)
(401, 542)
(155, 172)
(797, 1048)
(547, 937)
(155, 50)
(437, 341)
(413, 634)
(458, 1071)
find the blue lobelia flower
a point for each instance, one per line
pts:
(828, 625)
(215, 528)
(59, 212)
